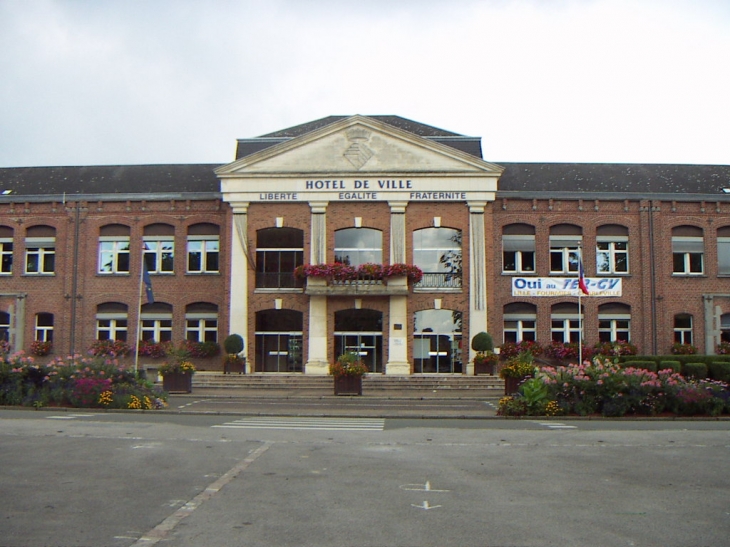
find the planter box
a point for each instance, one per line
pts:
(177, 382)
(512, 384)
(232, 367)
(483, 368)
(348, 385)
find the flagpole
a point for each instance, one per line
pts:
(580, 307)
(139, 314)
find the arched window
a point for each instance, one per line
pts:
(688, 250)
(723, 250)
(683, 329)
(279, 341)
(114, 249)
(111, 321)
(520, 322)
(159, 248)
(437, 341)
(518, 248)
(612, 249)
(203, 248)
(614, 322)
(6, 250)
(565, 323)
(437, 251)
(157, 322)
(355, 246)
(201, 322)
(44, 327)
(40, 250)
(564, 242)
(278, 252)
(4, 326)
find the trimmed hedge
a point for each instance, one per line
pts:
(694, 370)
(719, 370)
(683, 359)
(646, 365)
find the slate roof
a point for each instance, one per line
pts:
(109, 179)
(614, 178)
(470, 145)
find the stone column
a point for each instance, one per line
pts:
(398, 327)
(317, 361)
(238, 314)
(477, 277)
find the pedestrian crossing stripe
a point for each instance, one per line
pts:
(319, 424)
(558, 425)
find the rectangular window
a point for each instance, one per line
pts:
(44, 327)
(40, 255)
(159, 330)
(159, 255)
(275, 268)
(613, 329)
(683, 329)
(111, 328)
(612, 255)
(113, 255)
(201, 328)
(564, 254)
(517, 330)
(565, 330)
(518, 254)
(688, 255)
(6, 256)
(203, 254)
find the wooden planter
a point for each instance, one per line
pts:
(348, 385)
(512, 384)
(232, 366)
(483, 367)
(177, 382)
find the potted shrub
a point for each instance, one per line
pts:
(233, 360)
(177, 371)
(348, 371)
(485, 358)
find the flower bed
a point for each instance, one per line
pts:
(604, 388)
(74, 382)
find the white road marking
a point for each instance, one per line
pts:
(299, 423)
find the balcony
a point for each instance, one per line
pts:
(361, 286)
(439, 281)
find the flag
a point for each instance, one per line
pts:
(581, 277)
(147, 282)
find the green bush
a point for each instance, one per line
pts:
(675, 366)
(719, 370)
(482, 342)
(694, 370)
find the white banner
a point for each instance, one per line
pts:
(565, 286)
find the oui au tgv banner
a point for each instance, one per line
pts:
(565, 286)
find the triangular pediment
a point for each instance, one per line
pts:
(358, 145)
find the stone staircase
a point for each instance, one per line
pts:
(372, 383)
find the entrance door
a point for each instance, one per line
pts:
(360, 332)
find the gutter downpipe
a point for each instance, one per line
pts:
(652, 273)
(74, 282)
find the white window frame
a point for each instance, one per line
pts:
(611, 254)
(114, 328)
(44, 333)
(688, 247)
(156, 247)
(113, 247)
(723, 255)
(521, 246)
(43, 248)
(208, 245)
(569, 325)
(154, 326)
(6, 255)
(683, 335)
(200, 325)
(614, 326)
(565, 246)
(355, 254)
(521, 327)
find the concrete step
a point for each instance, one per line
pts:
(371, 382)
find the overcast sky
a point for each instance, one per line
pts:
(94, 82)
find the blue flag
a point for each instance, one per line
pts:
(147, 282)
